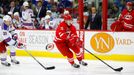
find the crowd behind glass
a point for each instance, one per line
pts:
(47, 14)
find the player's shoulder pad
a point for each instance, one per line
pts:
(4, 27)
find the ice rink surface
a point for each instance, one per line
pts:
(28, 66)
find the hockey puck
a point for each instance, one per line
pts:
(49, 46)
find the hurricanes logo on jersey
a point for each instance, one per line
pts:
(102, 42)
(128, 17)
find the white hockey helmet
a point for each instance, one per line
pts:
(66, 12)
(16, 14)
(25, 4)
(49, 11)
(7, 18)
(47, 17)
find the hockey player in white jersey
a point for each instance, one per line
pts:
(8, 37)
(46, 23)
(27, 14)
(17, 21)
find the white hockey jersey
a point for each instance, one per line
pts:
(45, 23)
(6, 33)
(51, 24)
(27, 20)
(17, 24)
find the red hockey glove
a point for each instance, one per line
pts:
(20, 45)
(76, 41)
(79, 43)
(72, 41)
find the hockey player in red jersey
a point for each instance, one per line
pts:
(126, 19)
(8, 38)
(66, 40)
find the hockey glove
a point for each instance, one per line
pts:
(15, 36)
(20, 45)
(76, 41)
(79, 43)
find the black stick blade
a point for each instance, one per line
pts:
(50, 68)
(119, 69)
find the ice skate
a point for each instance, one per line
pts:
(83, 63)
(15, 61)
(75, 65)
(5, 63)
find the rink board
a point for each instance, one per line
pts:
(107, 45)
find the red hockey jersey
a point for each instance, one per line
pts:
(127, 19)
(65, 33)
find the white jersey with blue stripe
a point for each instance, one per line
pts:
(6, 33)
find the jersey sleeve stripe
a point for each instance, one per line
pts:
(8, 39)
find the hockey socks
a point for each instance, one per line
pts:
(13, 59)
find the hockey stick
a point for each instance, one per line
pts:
(46, 68)
(117, 69)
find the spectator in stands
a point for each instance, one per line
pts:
(13, 7)
(50, 4)
(5, 5)
(114, 11)
(31, 5)
(45, 23)
(27, 14)
(49, 12)
(40, 10)
(65, 4)
(94, 21)
(45, 3)
(54, 12)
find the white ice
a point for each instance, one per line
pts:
(28, 66)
